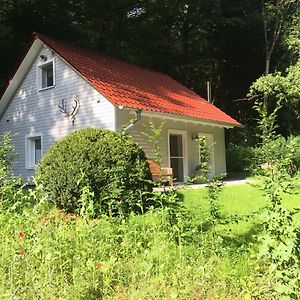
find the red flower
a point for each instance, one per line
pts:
(21, 252)
(99, 264)
(22, 234)
(47, 218)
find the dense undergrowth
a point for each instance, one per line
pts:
(172, 252)
(166, 253)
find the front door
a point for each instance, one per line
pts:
(176, 155)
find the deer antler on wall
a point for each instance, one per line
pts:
(74, 111)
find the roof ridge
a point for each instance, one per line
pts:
(44, 38)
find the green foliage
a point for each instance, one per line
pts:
(204, 156)
(279, 240)
(267, 121)
(52, 255)
(239, 158)
(9, 184)
(284, 86)
(280, 149)
(7, 156)
(153, 137)
(170, 252)
(99, 168)
(214, 185)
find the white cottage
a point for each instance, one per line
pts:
(59, 88)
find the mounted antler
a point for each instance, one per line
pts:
(75, 108)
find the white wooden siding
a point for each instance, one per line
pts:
(32, 111)
(123, 118)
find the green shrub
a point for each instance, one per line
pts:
(294, 145)
(105, 168)
(7, 156)
(9, 184)
(239, 158)
(281, 149)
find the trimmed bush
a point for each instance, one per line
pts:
(105, 168)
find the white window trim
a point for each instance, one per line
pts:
(211, 143)
(39, 74)
(185, 152)
(28, 162)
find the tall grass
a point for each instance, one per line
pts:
(167, 253)
(154, 256)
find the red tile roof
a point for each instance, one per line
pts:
(135, 87)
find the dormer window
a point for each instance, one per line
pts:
(46, 75)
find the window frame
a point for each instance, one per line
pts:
(40, 67)
(30, 150)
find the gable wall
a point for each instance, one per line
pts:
(32, 112)
(124, 117)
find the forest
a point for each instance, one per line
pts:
(246, 49)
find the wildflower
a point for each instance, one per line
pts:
(21, 252)
(99, 264)
(47, 218)
(22, 234)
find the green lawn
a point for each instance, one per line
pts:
(242, 199)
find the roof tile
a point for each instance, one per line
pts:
(132, 86)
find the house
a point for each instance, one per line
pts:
(59, 88)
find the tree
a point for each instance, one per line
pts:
(284, 86)
(276, 16)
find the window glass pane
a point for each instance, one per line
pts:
(50, 77)
(47, 75)
(37, 150)
(177, 166)
(176, 145)
(44, 78)
(38, 144)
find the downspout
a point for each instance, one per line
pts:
(133, 122)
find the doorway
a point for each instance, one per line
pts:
(177, 154)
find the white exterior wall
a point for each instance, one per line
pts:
(124, 117)
(32, 112)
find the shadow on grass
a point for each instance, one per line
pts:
(229, 237)
(250, 236)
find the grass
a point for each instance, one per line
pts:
(240, 199)
(166, 253)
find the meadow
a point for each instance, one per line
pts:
(170, 252)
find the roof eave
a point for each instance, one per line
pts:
(171, 116)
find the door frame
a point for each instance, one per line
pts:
(184, 150)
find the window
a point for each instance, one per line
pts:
(34, 151)
(46, 75)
